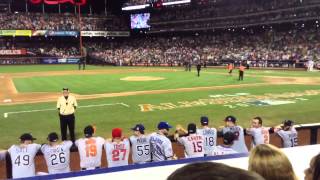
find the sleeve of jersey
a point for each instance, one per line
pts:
(280, 133)
(168, 152)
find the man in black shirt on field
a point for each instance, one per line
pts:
(198, 68)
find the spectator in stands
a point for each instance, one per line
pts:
(239, 144)
(271, 163)
(313, 172)
(212, 171)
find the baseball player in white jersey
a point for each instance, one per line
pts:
(90, 149)
(140, 145)
(161, 147)
(22, 157)
(210, 136)
(260, 134)
(288, 134)
(57, 155)
(226, 148)
(239, 144)
(118, 149)
(193, 143)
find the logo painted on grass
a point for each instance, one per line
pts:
(235, 100)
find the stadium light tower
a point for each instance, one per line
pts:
(80, 37)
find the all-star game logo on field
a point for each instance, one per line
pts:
(235, 100)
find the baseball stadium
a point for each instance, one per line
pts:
(194, 85)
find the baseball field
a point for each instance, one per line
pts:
(110, 97)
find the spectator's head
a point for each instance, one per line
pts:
(53, 137)
(164, 127)
(228, 138)
(212, 171)
(27, 138)
(192, 128)
(138, 129)
(287, 124)
(313, 172)
(88, 131)
(116, 133)
(230, 121)
(204, 120)
(256, 122)
(271, 163)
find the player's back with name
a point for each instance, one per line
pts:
(117, 152)
(57, 157)
(161, 147)
(140, 149)
(22, 158)
(193, 145)
(210, 139)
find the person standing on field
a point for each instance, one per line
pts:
(66, 106)
(241, 72)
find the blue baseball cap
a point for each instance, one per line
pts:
(138, 127)
(231, 118)
(164, 125)
(204, 120)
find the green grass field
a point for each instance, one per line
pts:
(175, 107)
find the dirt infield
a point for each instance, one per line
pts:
(9, 94)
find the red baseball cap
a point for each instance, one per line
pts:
(116, 133)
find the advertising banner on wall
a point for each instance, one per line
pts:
(105, 33)
(13, 52)
(55, 33)
(53, 60)
(15, 32)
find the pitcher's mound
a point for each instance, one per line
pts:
(141, 78)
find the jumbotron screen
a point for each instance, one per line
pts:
(140, 21)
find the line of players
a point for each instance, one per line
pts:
(197, 142)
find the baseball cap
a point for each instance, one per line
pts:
(65, 89)
(230, 118)
(27, 136)
(138, 127)
(88, 131)
(53, 137)
(228, 138)
(192, 128)
(116, 133)
(204, 120)
(288, 123)
(164, 125)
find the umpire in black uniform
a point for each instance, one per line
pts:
(198, 68)
(66, 106)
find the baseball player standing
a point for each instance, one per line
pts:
(193, 143)
(288, 134)
(90, 149)
(161, 147)
(66, 106)
(118, 149)
(226, 147)
(241, 71)
(57, 155)
(22, 157)
(239, 144)
(140, 145)
(260, 134)
(210, 136)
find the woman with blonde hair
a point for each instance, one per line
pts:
(271, 163)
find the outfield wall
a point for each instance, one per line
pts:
(307, 134)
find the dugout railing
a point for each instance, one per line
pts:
(308, 134)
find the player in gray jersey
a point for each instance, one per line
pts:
(210, 136)
(161, 147)
(57, 155)
(260, 134)
(140, 145)
(239, 144)
(22, 157)
(288, 134)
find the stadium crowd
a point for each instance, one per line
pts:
(61, 22)
(255, 48)
(155, 147)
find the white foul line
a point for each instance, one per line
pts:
(87, 106)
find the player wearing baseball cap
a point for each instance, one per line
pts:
(209, 134)
(239, 144)
(260, 134)
(288, 134)
(161, 147)
(226, 147)
(90, 149)
(57, 155)
(140, 145)
(117, 149)
(193, 142)
(22, 156)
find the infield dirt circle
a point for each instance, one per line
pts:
(141, 78)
